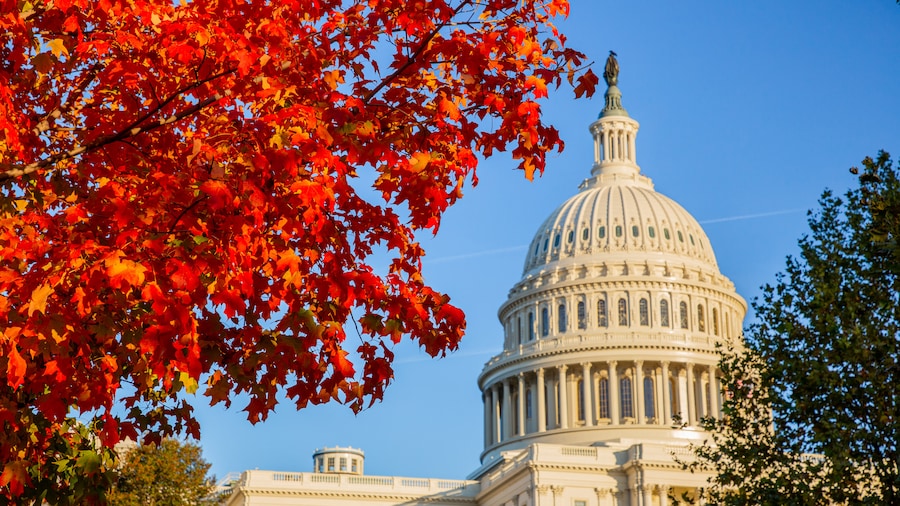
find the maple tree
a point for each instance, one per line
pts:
(193, 194)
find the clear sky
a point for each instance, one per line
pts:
(749, 109)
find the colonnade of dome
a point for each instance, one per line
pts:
(611, 333)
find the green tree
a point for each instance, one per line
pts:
(171, 474)
(812, 411)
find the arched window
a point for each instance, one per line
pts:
(649, 398)
(530, 326)
(715, 321)
(528, 404)
(561, 318)
(603, 390)
(623, 313)
(644, 310)
(626, 397)
(545, 322)
(683, 315)
(701, 323)
(664, 313)
(727, 324)
(602, 320)
(582, 316)
(519, 329)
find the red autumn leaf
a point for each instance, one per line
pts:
(185, 198)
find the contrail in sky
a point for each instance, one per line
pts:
(520, 247)
(476, 254)
(751, 216)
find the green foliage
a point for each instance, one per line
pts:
(812, 411)
(171, 474)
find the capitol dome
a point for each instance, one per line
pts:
(611, 333)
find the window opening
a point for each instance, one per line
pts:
(571, 236)
(546, 244)
(635, 231)
(618, 230)
(644, 310)
(666, 234)
(651, 232)
(715, 321)
(683, 314)
(545, 322)
(604, 398)
(530, 326)
(691, 237)
(601, 313)
(680, 237)
(582, 316)
(649, 397)
(556, 241)
(623, 312)
(585, 234)
(519, 329)
(580, 401)
(664, 313)
(701, 323)
(602, 232)
(561, 317)
(330, 464)
(627, 405)
(343, 463)
(528, 403)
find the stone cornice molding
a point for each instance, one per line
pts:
(355, 495)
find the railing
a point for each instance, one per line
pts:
(271, 480)
(630, 338)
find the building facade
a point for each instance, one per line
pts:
(608, 363)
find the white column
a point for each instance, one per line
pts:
(692, 396)
(631, 147)
(639, 380)
(587, 381)
(563, 390)
(647, 493)
(507, 411)
(663, 495)
(713, 393)
(613, 393)
(606, 147)
(521, 407)
(541, 403)
(497, 415)
(667, 396)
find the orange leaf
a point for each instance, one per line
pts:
(39, 299)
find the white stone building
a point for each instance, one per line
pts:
(608, 361)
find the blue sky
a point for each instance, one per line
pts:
(748, 110)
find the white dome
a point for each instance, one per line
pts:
(618, 215)
(612, 332)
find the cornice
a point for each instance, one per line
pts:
(356, 495)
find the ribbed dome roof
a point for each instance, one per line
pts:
(619, 213)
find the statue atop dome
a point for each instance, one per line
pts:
(613, 105)
(611, 73)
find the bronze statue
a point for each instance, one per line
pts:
(611, 73)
